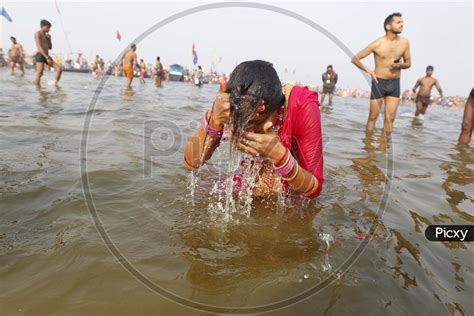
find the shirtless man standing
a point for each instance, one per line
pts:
(44, 44)
(129, 62)
(424, 94)
(158, 72)
(388, 51)
(16, 56)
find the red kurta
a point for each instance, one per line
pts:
(301, 132)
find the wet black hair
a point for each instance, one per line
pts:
(389, 19)
(329, 66)
(249, 83)
(45, 23)
(429, 67)
(133, 46)
(12, 38)
(158, 58)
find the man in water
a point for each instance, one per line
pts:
(468, 120)
(329, 83)
(95, 66)
(101, 66)
(44, 44)
(142, 70)
(388, 52)
(198, 76)
(158, 72)
(16, 56)
(129, 61)
(423, 97)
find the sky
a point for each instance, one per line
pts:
(440, 34)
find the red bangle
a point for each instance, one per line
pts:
(287, 167)
(211, 131)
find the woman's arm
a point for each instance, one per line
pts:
(203, 143)
(293, 172)
(200, 147)
(300, 179)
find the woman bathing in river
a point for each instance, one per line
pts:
(281, 125)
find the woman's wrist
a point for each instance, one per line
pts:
(313, 187)
(208, 128)
(283, 160)
(291, 176)
(278, 155)
(215, 125)
(212, 122)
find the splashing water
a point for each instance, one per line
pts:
(327, 238)
(326, 265)
(250, 167)
(192, 184)
(231, 192)
(234, 176)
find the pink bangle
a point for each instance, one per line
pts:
(287, 167)
(213, 132)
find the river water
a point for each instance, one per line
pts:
(164, 227)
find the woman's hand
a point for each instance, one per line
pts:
(221, 109)
(267, 145)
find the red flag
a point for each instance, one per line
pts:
(119, 37)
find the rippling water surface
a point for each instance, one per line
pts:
(54, 261)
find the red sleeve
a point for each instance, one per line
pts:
(308, 136)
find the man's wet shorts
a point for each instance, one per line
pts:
(385, 88)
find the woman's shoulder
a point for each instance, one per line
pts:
(301, 96)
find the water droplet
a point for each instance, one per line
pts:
(306, 275)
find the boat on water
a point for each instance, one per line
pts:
(176, 73)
